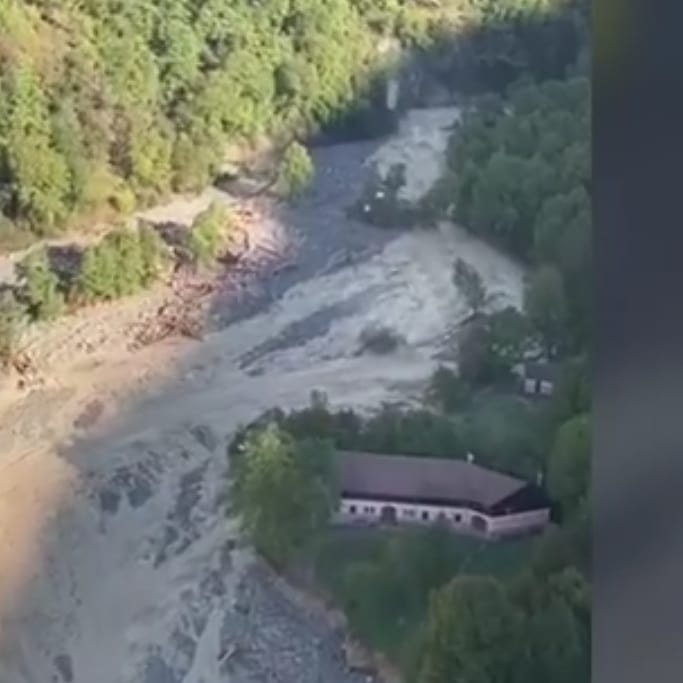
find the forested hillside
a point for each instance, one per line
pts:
(519, 175)
(107, 105)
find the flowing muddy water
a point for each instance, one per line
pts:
(118, 560)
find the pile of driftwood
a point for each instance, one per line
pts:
(175, 318)
(244, 265)
(22, 363)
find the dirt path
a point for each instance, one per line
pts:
(118, 562)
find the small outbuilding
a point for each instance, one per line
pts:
(539, 378)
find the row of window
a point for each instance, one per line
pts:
(409, 513)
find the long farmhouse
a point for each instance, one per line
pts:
(393, 489)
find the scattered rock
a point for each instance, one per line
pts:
(205, 436)
(90, 415)
(357, 658)
(158, 671)
(64, 666)
(226, 556)
(109, 501)
(212, 585)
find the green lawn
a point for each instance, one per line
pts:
(383, 577)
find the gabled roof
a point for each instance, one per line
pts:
(437, 480)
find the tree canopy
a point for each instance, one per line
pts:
(473, 629)
(107, 105)
(519, 175)
(283, 490)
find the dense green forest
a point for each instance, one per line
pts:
(108, 105)
(519, 175)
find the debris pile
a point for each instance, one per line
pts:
(22, 363)
(244, 265)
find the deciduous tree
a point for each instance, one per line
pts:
(472, 629)
(41, 286)
(283, 501)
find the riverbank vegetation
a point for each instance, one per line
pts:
(283, 488)
(519, 176)
(296, 171)
(107, 107)
(128, 259)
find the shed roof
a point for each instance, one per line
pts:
(425, 479)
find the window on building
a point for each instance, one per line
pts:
(369, 509)
(457, 517)
(352, 509)
(409, 513)
(425, 514)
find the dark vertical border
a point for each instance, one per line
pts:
(638, 365)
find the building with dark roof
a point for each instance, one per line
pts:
(463, 495)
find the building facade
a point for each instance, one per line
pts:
(385, 489)
(538, 378)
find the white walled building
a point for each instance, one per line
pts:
(539, 378)
(392, 489)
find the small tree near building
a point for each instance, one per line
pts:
(281, 491)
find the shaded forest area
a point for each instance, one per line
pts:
(106, 106)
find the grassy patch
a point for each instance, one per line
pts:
(382, 578)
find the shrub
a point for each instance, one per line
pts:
(208, 234)
(11, 314)
(97, 279)
(123, 263)
(469, 282)
(282, 490)
(41, 287)
(296, 171)
(13, 237)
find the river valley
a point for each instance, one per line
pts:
(119, 562)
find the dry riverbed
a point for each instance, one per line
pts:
(119, 562)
